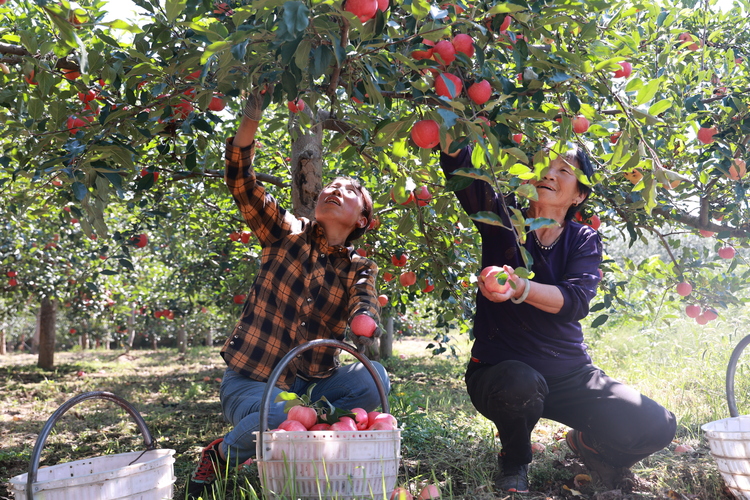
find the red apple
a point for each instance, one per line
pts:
(234, 235)
(726, 252)
(145, 172)
(710, 314)
(305, 415)
(426, 134)
(11, 274)
(422, 195)
(420, 54)
(506, 23)
(296, 106)
(360, 418)
(430, 491)
(141, 240)
(428, 287)
(239, 298)
(398, 261)
(464, 43)
(445, 89)
(344, 424)
(705, 233)
(706, 134)
(320, 427)
(363, 9)
(684, 289)
(245, 237)
(407, 279)
(737, 170)
(69, 74)
(615, 137)
(216, 104)
(12, 282)
(383, 300)
(387, 277)
(480, 92)
(688, 37)
(400, 493)
(363, 325)
(74, 123)
(383, 5)
(491, 277)
(291, 426)
(518, 138)
(625, 69)
(580, 124)
(692, 311)
(445, 52)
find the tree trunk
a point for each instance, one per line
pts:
(307, 167)
(210, 337)
(35, 339)
(386, 339)
(131, 329)
(182, 340)
(2, 341)
(47, 325)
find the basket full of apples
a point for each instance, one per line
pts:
(325, 452)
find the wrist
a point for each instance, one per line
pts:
(524, 293)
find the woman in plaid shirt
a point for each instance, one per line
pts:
(310, 285)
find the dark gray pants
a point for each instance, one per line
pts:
(621, 424)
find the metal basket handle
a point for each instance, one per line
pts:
(276, 373)
(731, 369)
(148, 440)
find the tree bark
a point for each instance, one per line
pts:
(35, 339)
(210, 337)
(131, 329)
(307, 166)
(182, 340)
(386, 339)
(2, 341)
(47, 325)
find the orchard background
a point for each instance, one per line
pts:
(118, 231)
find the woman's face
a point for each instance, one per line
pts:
(340, 202)
(558, 187)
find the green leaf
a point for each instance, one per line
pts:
(119, 24)
(457, 183)
(490, 218)
(449, 117)
(79, 190)
(420, 9)
(285, 396)
(214, 49)
(527, 191)
(541, 222)
(599, 321)
(475, 173)
(295, 19)
(648, 91)
(385, 134)
(174, 9)
(659, 107)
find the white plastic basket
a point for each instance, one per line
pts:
(135, 475)
(340, 465)
(729, 440)
(138, 475)
(330, 464)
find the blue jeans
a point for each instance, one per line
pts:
(350, 386)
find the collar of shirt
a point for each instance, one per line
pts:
(320, 236)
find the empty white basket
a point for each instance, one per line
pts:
(330, 464)
(729, 440)
(110, 477)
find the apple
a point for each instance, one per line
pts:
(296, 106)
(683, 448)
(429, 491)
(737, 170)
(374, 224)
(692, 311)
(506, 23)
(29, 78)
(426, 134)
(363, 9)
(140, 241)
(422, 196)
(245, 237)
(400, 493)
(580, 124)
(518, 138)
(407, 278)
(706, 233)
(363, 325)
(344, 424)
(234, 236)
(239, 298)
(706, 134)
(387, 277)
(726, 252)
(383, 300)
(182, 109)
(594, 222)
(360, 418)
(70, 74)
(74, 123)
(625, 69)
(688, 37)
(371, 416)
(145, 172)
(320, 427)
(420, 54)
(305, 415)
(464, 43)
(216, 104)
(442, 87)
(683, 289)
(383, 5)
(444, 52)
(538, 448)
(292, 425)
(12, 282)
(11, 274)
(615, 137)
(398, 261)
(223, 8)
(480, 92)
(491, 277)
(710, 314)
(169, 314)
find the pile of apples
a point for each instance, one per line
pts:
(306, 418)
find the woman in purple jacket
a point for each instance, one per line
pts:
(529, 360)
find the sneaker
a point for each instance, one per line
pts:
(513, 479)
(209, 468)
(609, 476)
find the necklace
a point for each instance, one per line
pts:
(546, 247)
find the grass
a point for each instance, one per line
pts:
(680, 365)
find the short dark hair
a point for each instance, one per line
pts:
(578, 157)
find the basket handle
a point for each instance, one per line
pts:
(731, 369)
(276, 373)
(148, 440)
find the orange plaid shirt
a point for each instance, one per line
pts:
(304, 290)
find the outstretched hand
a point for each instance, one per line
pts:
(512, 291)
(254, 104)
